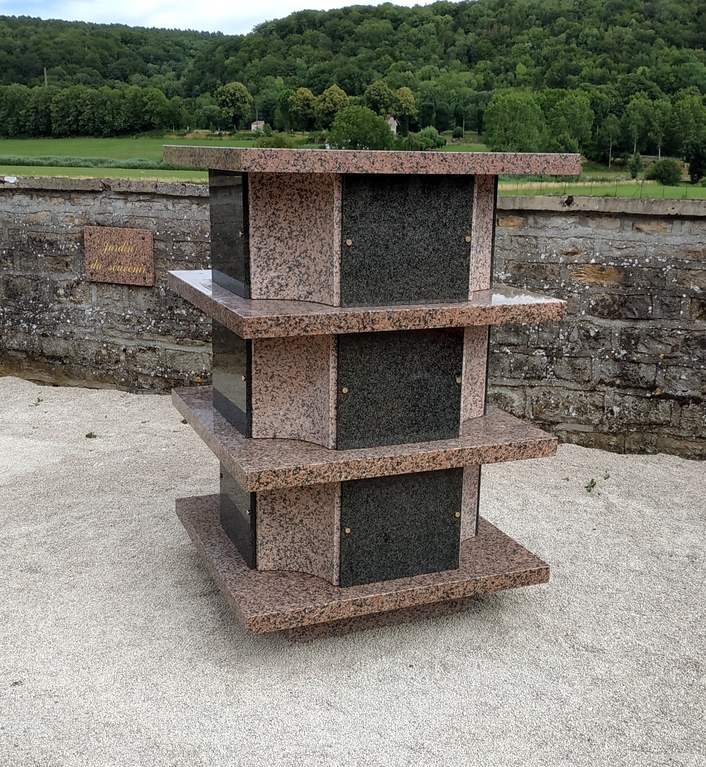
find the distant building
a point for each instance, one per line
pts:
(258, 125)
(392, 123)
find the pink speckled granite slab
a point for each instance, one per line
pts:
(298, 529)
(475, 371)
(266, 464)
(362, 161)
(482, 234)
(293, 237)
(469, 501)
(294, 389)
(276, 600)
(279, 319)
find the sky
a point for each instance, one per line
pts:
(231, 17)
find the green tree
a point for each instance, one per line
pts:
(695, 155)
(513, 122)
(235, 101)
(405, 108)
(570, 122)
(608, 135)
(332, 101)
(660, 120)
(358, 127)
(302, 108)
(379, 97)
(636, 120)
(665, 172)
(689, 119)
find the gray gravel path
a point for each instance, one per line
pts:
(116, 649)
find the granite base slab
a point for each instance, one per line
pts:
(307, 606)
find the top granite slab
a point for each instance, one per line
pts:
(237, 159)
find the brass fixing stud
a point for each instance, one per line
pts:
(242, 378)
(240, 233)
(468, 238)
(348, 531)
(458, 379)
(457, 514)
(349, 242)
(345, 390)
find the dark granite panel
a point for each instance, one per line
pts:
(399, 387)
(230, 252)
(238, 517)
(394, 527)
(232, 378)
(405, 239)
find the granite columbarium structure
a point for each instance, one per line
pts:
(351, 299)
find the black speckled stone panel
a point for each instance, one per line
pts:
(401, 386)
(408, 239)
(230, 255)
(238, 517)
(232, 378)
(393, 527)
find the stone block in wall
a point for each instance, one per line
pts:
(630, 410)
(578, 369)
(612, 372)
(649, 343)
(680, 380)
(552, 405)
(511, 399)
(599, 440)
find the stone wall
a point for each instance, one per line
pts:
(57, 327)
(627, 370)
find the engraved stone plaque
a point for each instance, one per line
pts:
(124, 256)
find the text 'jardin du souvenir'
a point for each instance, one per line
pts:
(124, 256)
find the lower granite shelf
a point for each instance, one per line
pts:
(270, 464)
(308, 607)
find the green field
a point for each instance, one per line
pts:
(633, 189)
(595, 181)
(116, 148)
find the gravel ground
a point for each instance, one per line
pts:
(116, 649)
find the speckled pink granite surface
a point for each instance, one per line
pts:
(264, 464)
(294, 389)
(298, 529)
(278, 319)
(482, 229)
(294, 242)
(276, 600)
(364, 161)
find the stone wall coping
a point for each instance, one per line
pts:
(608, 205)
(114, 185)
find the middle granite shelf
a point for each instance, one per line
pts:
(269, 464)
(259, 318)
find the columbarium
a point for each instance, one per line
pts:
(351, 296)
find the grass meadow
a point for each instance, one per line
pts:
(594, 181)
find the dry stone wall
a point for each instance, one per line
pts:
(55, 326)
(626, 371)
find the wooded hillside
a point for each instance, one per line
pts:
(624, 75)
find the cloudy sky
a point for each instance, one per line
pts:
(228, 16)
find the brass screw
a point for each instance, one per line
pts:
(345, 390)
(458, 379)
(349, 242)
(457, 514)
(468, 238)
(348, 531)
